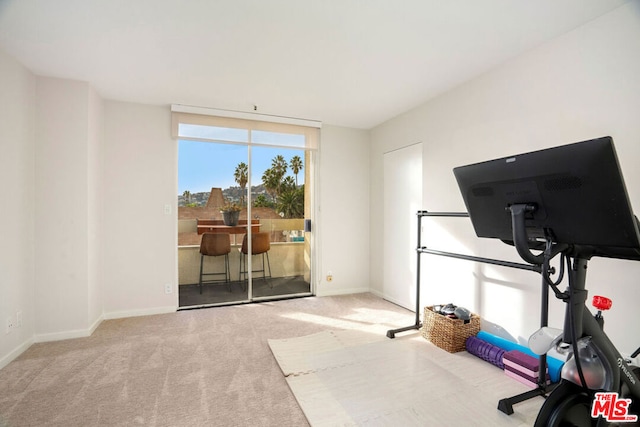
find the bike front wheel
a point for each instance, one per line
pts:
(568, 405)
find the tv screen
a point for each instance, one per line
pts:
(577, 191)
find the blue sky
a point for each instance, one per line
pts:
(202, 165)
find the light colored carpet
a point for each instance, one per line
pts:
(347, 378)
(210, 367)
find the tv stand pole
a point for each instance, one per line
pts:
(505, 405)
(420, 249)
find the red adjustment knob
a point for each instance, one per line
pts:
(601, 303)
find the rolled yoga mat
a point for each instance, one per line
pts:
(553, 365)
(485, 351)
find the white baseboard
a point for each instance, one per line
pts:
(377, 293)
(383, 296)
(67, 335)
(141, 312)
(57, 336)
(15, 353)
(83, 333)
(95, 325)
(326, 291)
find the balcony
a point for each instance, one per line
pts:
(289, 260)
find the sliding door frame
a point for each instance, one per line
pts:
(183, 115)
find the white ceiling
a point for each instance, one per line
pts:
(354, 63)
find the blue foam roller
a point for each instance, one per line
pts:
(554, 365)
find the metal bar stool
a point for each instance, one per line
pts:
(260, 245)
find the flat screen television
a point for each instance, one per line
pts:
(576, 191)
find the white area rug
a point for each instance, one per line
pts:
(351, 378)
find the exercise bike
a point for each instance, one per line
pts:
(598, 387)
(568, 202)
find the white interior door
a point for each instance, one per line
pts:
(402, 199)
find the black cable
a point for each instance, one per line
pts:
(574, 341)
(548, 255)
(560, 275)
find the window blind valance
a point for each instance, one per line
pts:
(205, 124)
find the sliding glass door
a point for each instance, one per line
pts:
(207, 181)
(278, 202)
(269, 184)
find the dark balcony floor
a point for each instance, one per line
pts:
(218, 293)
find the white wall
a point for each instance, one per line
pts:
(97, 262)
(580, 86)
(17, 97)
(140, 161)
(343, 224)
(139, 238)
(67, 130)
(95, 187)
(92, 180)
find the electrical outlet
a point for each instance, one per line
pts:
(18, 319)
(167, 209)
(168, 288)
(9, 325)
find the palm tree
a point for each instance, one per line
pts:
(187, 197)
(296, 166)
(291, 202)
(262, 202)
(271, 182)
(279, 167)
(241, 177)
(287, 184)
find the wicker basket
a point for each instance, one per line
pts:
(448, 334)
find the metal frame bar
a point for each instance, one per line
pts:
(424, 250)
(505, 405)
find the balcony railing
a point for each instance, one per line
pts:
(288, 253)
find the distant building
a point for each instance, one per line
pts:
(216, 199)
